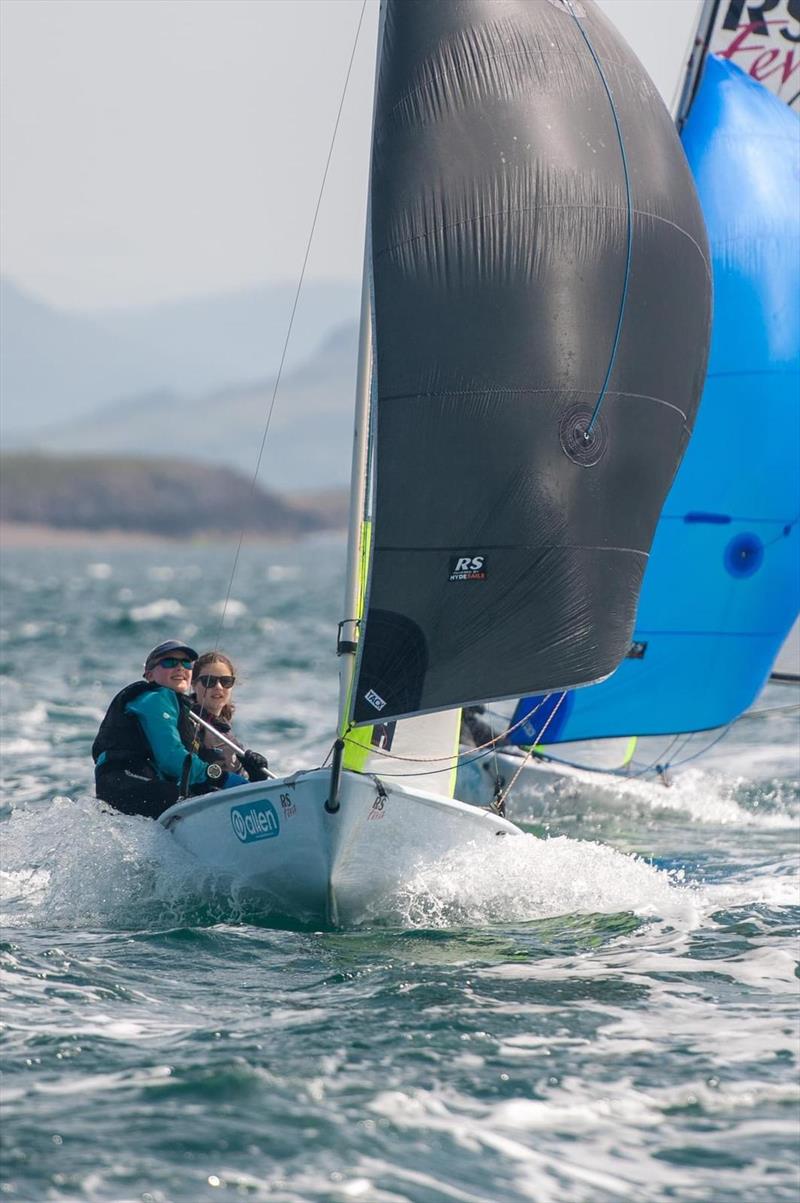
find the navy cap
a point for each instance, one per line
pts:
(167, 649)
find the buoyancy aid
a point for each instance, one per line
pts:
(208, 748)
(121, 737)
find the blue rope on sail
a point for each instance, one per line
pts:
(629, 203)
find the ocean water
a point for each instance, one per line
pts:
(603, 1010)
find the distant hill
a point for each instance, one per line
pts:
(57, 365)
(155, 496)
(213, 342)
(310, 437)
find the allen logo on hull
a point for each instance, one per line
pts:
(255, 821)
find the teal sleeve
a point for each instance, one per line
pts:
(157, 711)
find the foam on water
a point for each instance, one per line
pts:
(525, 1133)
(230, 609)
(526, 878)
(554, 1019)
(163, 607)
(706, 796)
(780, 888)
(70, 863)
(23, 747)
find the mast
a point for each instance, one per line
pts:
(348, 628)
(697, 57)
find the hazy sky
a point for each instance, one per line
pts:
(154, 149)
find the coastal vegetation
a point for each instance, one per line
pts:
(153, 495)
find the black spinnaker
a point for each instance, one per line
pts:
(541, 296)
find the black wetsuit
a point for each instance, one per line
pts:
(128, 775)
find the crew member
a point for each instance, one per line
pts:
(213, 678)
(142, 752)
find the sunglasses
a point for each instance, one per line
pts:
(174, 662)
(209, 682)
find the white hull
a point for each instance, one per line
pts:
(476, 776)
(277, 840)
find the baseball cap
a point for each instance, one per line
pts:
(168, 648)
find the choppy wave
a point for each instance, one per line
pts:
(708, 796)
(601, 1010)
(529, 878)
(74, 863)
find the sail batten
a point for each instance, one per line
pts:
(518, 276)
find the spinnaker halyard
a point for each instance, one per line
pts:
(536, 278)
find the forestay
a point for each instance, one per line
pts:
(541, 295)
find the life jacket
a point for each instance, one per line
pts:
(121, 737)
(203, 744)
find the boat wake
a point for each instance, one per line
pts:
(710, 797)
(68, 864)
(527, 878)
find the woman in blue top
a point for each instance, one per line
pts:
(143, 751)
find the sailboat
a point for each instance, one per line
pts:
(536, 277)
(786, 669)
(722, 587)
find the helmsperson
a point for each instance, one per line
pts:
(143, 752)
(214, 677)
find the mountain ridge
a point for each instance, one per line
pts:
(59, 366)
(165, 496)
(308, 442)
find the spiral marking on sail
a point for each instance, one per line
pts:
(629, 203)
(583, 435)
(744, 555)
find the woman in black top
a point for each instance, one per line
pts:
(213, 678)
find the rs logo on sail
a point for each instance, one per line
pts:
(468, 568)
(255, 821)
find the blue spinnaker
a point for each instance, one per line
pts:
(722, 587)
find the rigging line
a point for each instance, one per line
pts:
(772, 710)
(496, 762)
(500, 801)
(460, 759)
(291, 317)
(677, 763)
(663, 761)
(783, 534)
(573, 764)
(623, 772)
(649, 767)
(390, 755)
(629, 202)
(686, 62)
(448, 768)
(688, 736)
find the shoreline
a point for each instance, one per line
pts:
(24, 534)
